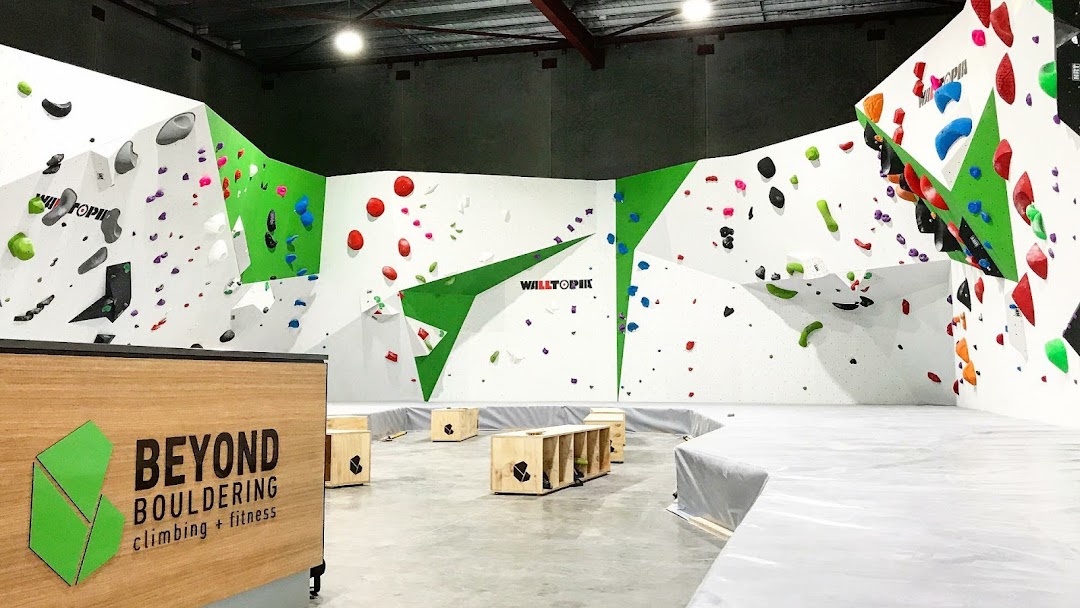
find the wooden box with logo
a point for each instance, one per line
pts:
(348, 458)
(541, 461)
(455, 423)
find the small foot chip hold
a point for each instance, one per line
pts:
(1056, 353)
(936, 379)
(227, 336)
(826, 214)
(494, 357)
(56, 110)
(21, 247)
(176, 128)
(809, 329)
(110, 226)
(760, 273)
(95, 260)
(780, 292)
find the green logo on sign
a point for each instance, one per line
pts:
(73, 528)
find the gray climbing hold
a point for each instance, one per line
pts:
(227, 336)
(94, 261)
(126, 158)
(61, 208)
(760, 272)
(110, 225)
(57, 110)
(176, 128)
(53, 164)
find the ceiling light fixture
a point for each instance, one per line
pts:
(348, 42)
(696, 10)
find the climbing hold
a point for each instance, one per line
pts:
(643, 265)
(846, 305)
(766, 167)
(635, 218)
(1003, 159)
(933, 377)
(622, 249)
(355, 240)
(961, 127)
(282, 191)
(271, 221)
(494, 357)
(389, 273)
(644, 302)
(271, 242)
(290, 258)
(126, 158)
(1005, 80)
(999, 21)
(974, 207)
(1035, 217)
(176, 128)
(307, 219)
(53, 164)
(205, 181)
(110, 225)
(1023, 196)
(375, 207)
(975, 172)
(919, 69)
(690, 345)
(962, 350)
(760, 272)
(863, 245)
(912, 180)
(794, 179)
(301, 205)
(872, 106)
(794, 267)
(403, 186)
(930, 193)
(783, 294)
(776, 198)
(809, 329)
(978, 37)
(1056, 353)
(740, 185)
(1048, 79)
(24, 89)
(898, 136)
(823, 209)
(56, 110)
(982, 11)
(950, 91)
(294, 323)
(969, 370)
(35, 206)
(227, 336)
(728, 311)
(963, 294)
(1021, 295)
(61, 207)
(905, 307)
(1036, 261)
(729, 211)
(391, 356)
(403, 248)
(812, 154)
(94, 260)
(619, 197)
(847, 145)
(21, 247)
(918, 89)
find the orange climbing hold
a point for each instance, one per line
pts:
(982, 11)
(873, 105)
(1023, 196)
(969, 371)
(1003, 159)
(1002, 25)
(962, 350)
(907, 196)
(1005, 80)
(1036, 261)
(980, 288)
(1021, 296)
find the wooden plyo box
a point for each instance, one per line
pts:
(617, 422)
(455, 423)
(522, 461)
(347, 423)
(348, 458)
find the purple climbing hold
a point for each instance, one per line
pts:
(162, 170)
(546, 350)
(573, 310)
(900, 239)
(161, 302)
(924, 258)
(886, 218)
(175, 271)
(1053, 237)
(1028, 99)
(162, 216)
(913, 253)
(528, 322)
(153, 237)
(890, 191)
(877, 214)
(1054, 172)
(186, 177)
(157, 260)
(558, 240)
(160, 193)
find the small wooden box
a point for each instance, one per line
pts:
(541, 461)
(348, 458)
(617, 422)
(455, 423)
(346, 423)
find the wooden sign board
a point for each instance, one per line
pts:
(151, 481)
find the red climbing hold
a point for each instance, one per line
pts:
(237, 175)
(1001, 339)
(982, 11)
(918, 89)
(1021, 295)
(898, 135)
(224, 183)
(690, 345)
(1003, 159)
(898, 116)
(931, 194)
(389, 273)
(1036, 261)
(404, 248)
(933, 377)
(999, 20)
(711, 179)
(948, 329)
(1023, 196)
(912, 180)
(375, 207)
(847, 145)
(680, 257)
(980, 287)
(422, 333)
(956, 386)
(862, 245)
(1006, 80)
(356, 240)
(403, 186)
(240, 153)
(226, 193)
(391, 356)
(920, 69)
(905, 307)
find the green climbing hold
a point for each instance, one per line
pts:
(780, 292)
(830, 223)
(421, 278)
(1037, 225)
(809, 329)
(812, 153)
(21, 247)
(581, 462)
(867, 276)
(794, 180)
(24, 88)
(494, 357)
(1048, 79)
(794, 267)
(1056, 353)
(433, 266)
(850, 276)
(36, 205)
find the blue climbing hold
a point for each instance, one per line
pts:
(307, 219)
(290, 258)
(292, 239)
(610, 239)
(631, 326)
(632, 290)
(623, 249)
(987, 245)
(301, 205)
(975, 172)
(961, 127)
(985, 217)
(635, 218)
(950, 91)
(313, 277)
(299, 303)
(984, 264)
(301, 272)
(645, 301)
(643, 265)
(619, 197)
(294, 323)
(974, 206)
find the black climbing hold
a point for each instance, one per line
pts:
(104, 338)
(448, 429)
(1072, 331)
(870, 137)
(728, 243)
(924, 219)
(26, 317)
(890, 162)
(117, 295)
(271, 221)
(944, 241)
(196, 345)
(520, 472)
(227, 336)
(53, 164)
(766, 167)
(355, 466)
(750, 215)
(865, 301)
(728, 311)
(725, 231)
(760, 272)
(547, 482)
(853, 362)
(776, 197)
(775, 276)
(271, 242)
(963, 294)
(843, 306)
(56, 110)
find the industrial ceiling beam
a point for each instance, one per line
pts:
(571, 28)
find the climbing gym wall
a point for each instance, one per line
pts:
(465, 288)
(982, 128)
(789, 274)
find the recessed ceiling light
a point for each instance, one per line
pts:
(348, 42)
(696, 10)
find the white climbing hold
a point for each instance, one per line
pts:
(218, 251)
(216, 223)
(431, 189)
(486, 256)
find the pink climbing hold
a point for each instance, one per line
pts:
(375, 207)
(221, 161)
(428, 236)
(935, 83)
(416, 223)
(740, 185)
(1036, 261)
(978, 37)
(1021, 295)
(205, 181)
(403, 186)
(403, 248)
(356, 240)
(282, 191)
(729, 211)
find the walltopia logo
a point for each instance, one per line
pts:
(556, 284)
(73, 528)
(87, 211)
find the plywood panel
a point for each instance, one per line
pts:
(347, 423)
(129, 400)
